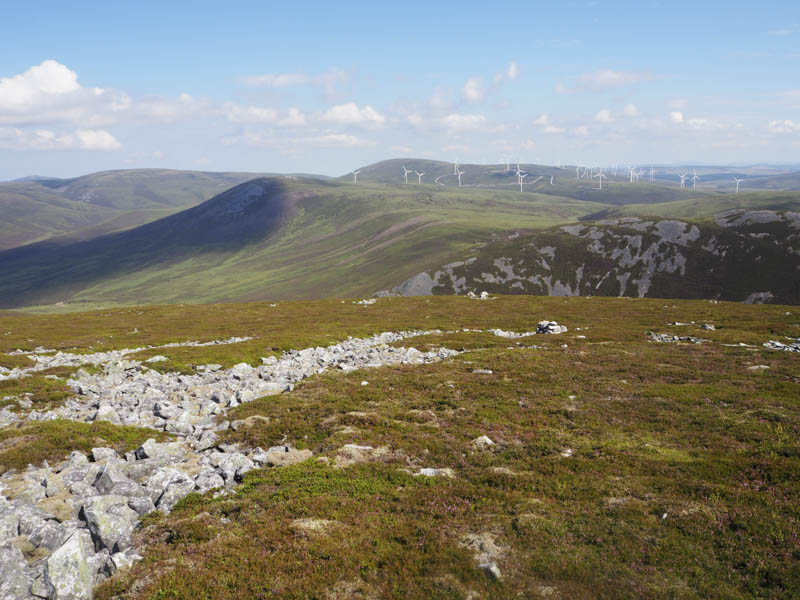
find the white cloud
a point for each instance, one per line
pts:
(603, 116)
(513, 71)
(249, 114)
(12, 138)
(350, 113)
(510, 74)
(543, 121)
(581, 130)
(784, 126)
(603, 79)
(460, 122)
(473, 90)
(288, 143)
(676, 117)
(630, 110)
(96, 139)
(329, 81)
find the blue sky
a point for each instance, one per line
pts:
(269, 86)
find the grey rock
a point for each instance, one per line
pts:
(153, 449)
(113, 481)
(50, 535)
(209, 480)
(142, 505)
(177, 489)
(68, 572)
(234, 465)
(15, 575)
(110, 521)
(108, 414)
(103, 455)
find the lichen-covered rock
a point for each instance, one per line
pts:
(15, 575)
(110, 521)
(108, 414)
(176, 490)
(68, 574)
(154, 449)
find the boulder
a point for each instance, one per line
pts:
(15, 575)
(102, 455)
(233, 466)
(110, 521)
(154, 449)
(108, 414)
(68, 573)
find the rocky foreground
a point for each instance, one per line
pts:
(64, 528)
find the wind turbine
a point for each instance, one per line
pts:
(694, 179)
(600, 176)
(459, 173)
(507, 158)
(405, 173)
(632, 171)
(455, 167)
(355, 176)
(551, 180)
(652, 171)
(521, 176)
(437, 180)
(419, 175)
(683, 177)
(578, 170)
(738, 181)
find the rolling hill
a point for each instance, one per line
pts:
(742, 255)
(616, 189)
(39, 208)
(276, 238)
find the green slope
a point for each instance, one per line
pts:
(706, 207)
(91, 205)
(297, 238)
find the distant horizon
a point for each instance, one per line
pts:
(788, 167)
(260, 84)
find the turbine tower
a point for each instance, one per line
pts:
(521, 176)
(355, 175)
(419, 175)
(683, 177)
(694, 179)
(652, 171)
(459, 173)
(632, 171)
(551, 179)
(600, 176)
(738, 181)
(405, 173)
(455, 167)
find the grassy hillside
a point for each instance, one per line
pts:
(704, 208)
(620, 468)
(327, 239)
(100, 203)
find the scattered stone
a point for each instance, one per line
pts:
(483, 443)
(110, 521)
(157, 358)
(314, 526)
(708, 327)
(774, 345)
(430, 472)
(668, 338)
(551, 327)
(482, 371)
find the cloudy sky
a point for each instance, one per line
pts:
(318, 87)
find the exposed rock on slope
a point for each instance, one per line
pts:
(749, 256)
